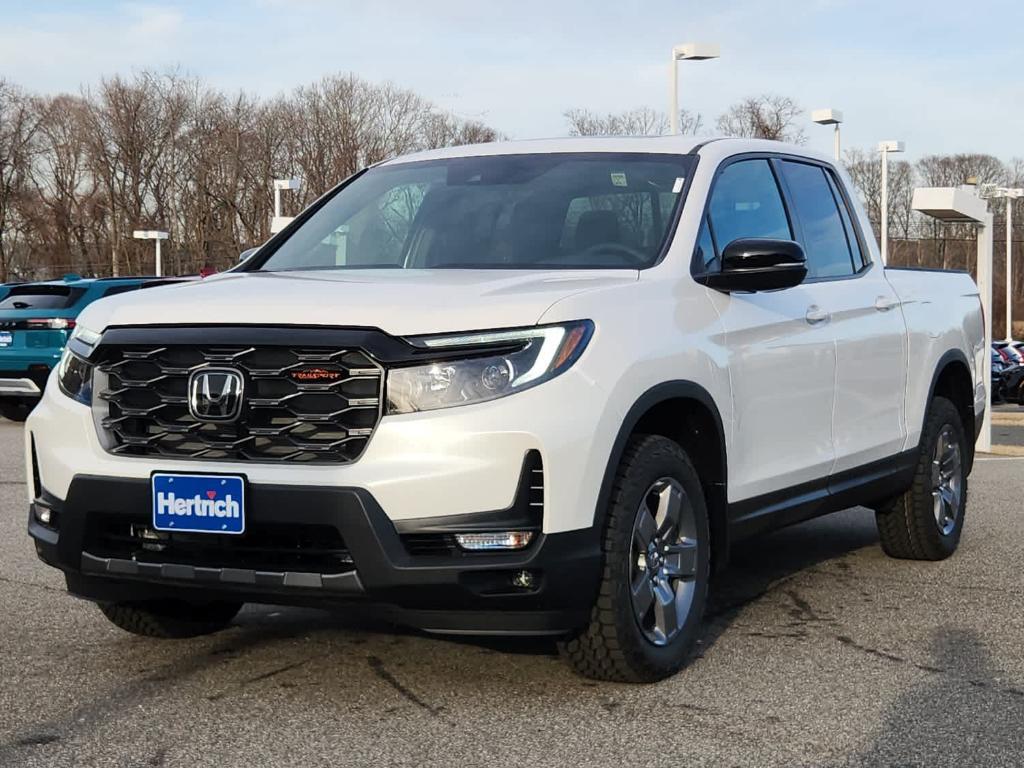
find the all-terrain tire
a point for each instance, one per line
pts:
(613, 646)
(907, 526)
(170, 619)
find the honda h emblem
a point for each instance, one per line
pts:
(215, 394)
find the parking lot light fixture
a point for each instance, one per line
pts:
(885, 147)
(280, 221)
(153, 234)
(830, 117)
(686, 52)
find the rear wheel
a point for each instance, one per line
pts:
(656, 569)
(15, 410)
(925, 523)
(170, 618)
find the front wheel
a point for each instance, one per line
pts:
(654, 582)
(925, 523)
(170, 618)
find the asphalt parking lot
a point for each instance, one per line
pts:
(819, 651)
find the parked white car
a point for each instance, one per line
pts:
(530, 388)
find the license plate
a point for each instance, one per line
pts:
(6, 338)
(198, 503)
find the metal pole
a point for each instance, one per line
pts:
(1009, 269)
(885, 206)
(674, 101)
(277, 201)
(839, 155)
(985, 286)
(159, 270)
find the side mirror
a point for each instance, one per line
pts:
(752, 264)
(247, 253)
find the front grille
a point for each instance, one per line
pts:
(264, 547)
(300, 404)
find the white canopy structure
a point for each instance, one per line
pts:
(963, 204)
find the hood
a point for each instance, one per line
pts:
(399, 302)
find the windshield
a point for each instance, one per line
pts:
(542, 211)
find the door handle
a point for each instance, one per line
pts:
(885, 303)
(816, 315)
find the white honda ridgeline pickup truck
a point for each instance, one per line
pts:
(523, 388)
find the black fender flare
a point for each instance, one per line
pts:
(669, 390)
(952, 356)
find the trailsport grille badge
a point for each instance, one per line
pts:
(318, 375)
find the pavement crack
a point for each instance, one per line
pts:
(33, 585)
(802, 610)
(893, 658)
(278, 671)
(851, 643)
(382, 672)
(260, 677)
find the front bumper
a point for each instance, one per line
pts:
(442, 590)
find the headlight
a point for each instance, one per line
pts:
(489, 365)
(74, 375)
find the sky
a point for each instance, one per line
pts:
(943, 76)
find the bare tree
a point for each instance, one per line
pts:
(639, 121)
(865, 169)
(764, 117)
(18, 124)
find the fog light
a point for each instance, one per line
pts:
(494, 540)
(524, 580)
(44, 515)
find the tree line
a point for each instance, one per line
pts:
(80, 172)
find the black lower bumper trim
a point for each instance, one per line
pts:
(337, 582)
(449, 592)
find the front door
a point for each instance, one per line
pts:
(780, 346)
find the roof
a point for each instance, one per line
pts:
(671, 145)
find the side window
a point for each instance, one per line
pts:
(824, 234)
(851, 231)
(746, 202)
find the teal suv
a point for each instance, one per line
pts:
(35, 322)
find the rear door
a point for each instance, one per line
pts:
(862, 311)
(781, 354)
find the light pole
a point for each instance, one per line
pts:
(686, 52)
(279, 222)
(830, 117)
(1010, 194)
(152, 234)
(885, 147)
